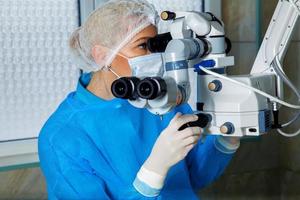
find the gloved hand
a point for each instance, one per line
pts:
(170, 147)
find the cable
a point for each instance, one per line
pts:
(295, 118)
(279, 71)
(288, 134)
(272, 98)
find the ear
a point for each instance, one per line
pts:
(99, 53)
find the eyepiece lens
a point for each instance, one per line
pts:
(124, 88)
(151, 88)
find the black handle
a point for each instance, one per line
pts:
(202, 122)
(276, 123)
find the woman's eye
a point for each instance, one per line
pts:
(143, 46)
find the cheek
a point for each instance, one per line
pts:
(121, 66)
(125, 69)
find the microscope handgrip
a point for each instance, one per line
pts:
(202, 122)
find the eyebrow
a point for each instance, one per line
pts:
(138, 40)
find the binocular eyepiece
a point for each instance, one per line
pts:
(125, 87)
(152, 88)
(132, 87)
(159, 43)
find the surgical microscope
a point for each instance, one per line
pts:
(195, 72)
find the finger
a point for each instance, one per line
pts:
(175, 118)
(185, 119)
(191, 140)
(190, 131)
(185, 150)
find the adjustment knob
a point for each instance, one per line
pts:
(167, 15)
(227, 128)
(215, 86)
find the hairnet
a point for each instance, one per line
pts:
(112, 26)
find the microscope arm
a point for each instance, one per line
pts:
(278, 36)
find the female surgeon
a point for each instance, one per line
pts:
(95, 146)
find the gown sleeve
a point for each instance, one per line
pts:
(67, 179)
(206, 162)
(70, 176)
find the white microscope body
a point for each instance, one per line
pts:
(235, 110)
(238, 111)
(195, 72)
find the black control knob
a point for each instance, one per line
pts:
(202, 121)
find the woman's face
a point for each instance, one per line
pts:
(136, 47)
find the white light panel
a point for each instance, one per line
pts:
(36, 69)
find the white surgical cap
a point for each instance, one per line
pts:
(112, 26)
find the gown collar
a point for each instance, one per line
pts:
(88, 97)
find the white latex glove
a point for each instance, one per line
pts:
(172, 145)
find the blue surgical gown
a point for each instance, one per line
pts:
(91, 148)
